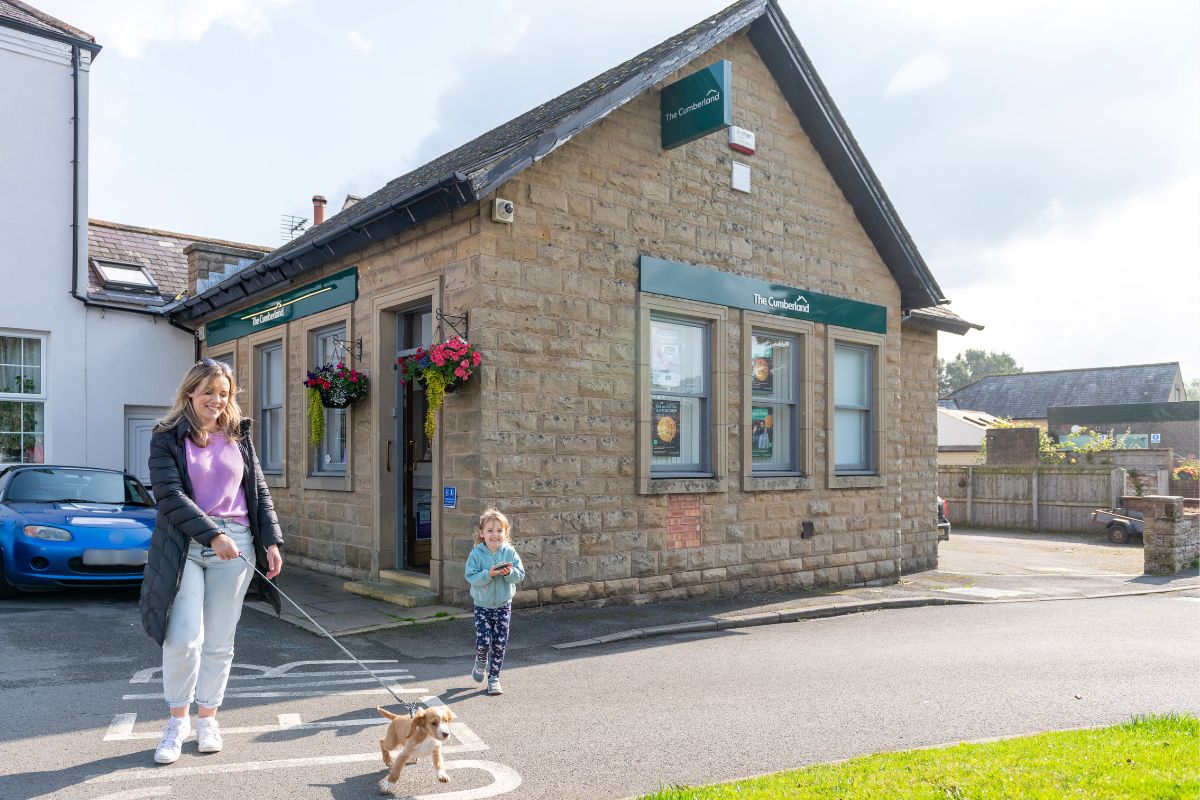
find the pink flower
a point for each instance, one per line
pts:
(475, 358)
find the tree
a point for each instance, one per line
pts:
(971, 365)
(1193, 389)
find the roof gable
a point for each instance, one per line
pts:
(24, 17)
(472, 171)
(1029, 395)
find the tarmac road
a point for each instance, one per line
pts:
(607, 721)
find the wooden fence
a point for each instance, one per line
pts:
(1050, 498)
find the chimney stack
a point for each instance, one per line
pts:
(318, 210)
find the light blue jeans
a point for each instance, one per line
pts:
(198, 649)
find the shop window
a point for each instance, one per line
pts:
(330, 457)
(270, 407)
(855, 411)
(775, 411)
(22, 399)
(680, 384)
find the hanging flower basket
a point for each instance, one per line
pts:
(331, 386)
(442, 368)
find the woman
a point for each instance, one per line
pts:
(213, 505)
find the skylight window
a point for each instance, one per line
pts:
(124, 276)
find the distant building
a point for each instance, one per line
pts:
(1028, 396)
(961, 435)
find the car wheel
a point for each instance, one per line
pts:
(1118, 533)
(7, 590)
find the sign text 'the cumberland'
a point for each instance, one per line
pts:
(697, 105)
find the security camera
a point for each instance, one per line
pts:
(502, 210)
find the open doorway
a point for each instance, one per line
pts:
(414, 479)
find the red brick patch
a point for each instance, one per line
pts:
(683, 521)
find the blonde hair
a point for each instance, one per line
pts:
(493, 513)
(229, 421)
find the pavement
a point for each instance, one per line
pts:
(975, 566)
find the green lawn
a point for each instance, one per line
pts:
(1153, 757)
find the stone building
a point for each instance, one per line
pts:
(705, 369)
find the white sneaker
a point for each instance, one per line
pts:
(178, 729)
(208, 734)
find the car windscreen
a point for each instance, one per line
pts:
(76, 486)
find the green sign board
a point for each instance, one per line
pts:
(722, 288)
(697, 105)
(335, 290)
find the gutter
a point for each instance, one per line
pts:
(320, 247)
(74, 292)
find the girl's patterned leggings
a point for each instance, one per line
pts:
(491, 635)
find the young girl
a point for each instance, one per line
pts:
(213, 505)
(493, 569)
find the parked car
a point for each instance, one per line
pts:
(72, 526)
(943, 520)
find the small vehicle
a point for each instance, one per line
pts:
(64, 527)
(943, 520)
(1121, 523)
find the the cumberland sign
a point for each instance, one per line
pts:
(697, 105)
(724, 289)
(335, 290)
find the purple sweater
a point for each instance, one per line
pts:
(216, 473)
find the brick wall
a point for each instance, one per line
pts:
(1012, 447)
(918, 431)
(557, 319)
(1172, 537)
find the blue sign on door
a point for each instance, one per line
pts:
(449, 497)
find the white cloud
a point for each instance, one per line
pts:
(1118, 288)
(131, 26)
(360, 42)
(921, 73)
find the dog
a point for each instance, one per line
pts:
(414, 737)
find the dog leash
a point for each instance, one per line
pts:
(412, 712)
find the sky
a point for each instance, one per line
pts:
(1045, 157)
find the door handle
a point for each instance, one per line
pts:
(388, 465)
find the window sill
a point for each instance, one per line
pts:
(775, 483)
(699, 485)
(329, 483)
(857, 481)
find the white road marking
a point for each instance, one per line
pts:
(469, 741)
(505, 779)
(121, 727)
(289, 720)
(139, 794)
(151, 674)
(1187, 597)
(991, 594)
(251, 694)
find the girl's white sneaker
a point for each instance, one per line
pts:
(178, 729)
(208, 735)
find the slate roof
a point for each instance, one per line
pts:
(472, 171)
(159, 252)
(943, 319)
(22, 16)
(1029, 395)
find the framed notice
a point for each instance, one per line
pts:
(762, 368)
(762, 432)
(664, 427)
(666, 358)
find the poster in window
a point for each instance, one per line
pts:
(762, 432)
(666, 366)
(763, 369)
(664, 434)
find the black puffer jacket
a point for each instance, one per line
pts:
(180, 521)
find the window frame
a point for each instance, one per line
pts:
(713, 477)
(316, 463)
(42, 398)
(308, 327)
(802, 332)
(269, 340)
(875, 473)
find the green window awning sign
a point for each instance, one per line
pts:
(697, 105)
(330, 292)
(689, 282)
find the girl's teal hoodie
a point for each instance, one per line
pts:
(487, 591)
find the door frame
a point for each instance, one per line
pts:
(149, 414)
(385, 307)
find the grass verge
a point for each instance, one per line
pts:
(1149, 757)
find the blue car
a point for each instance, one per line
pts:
(66, 527)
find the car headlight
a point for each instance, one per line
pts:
(47, 533)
